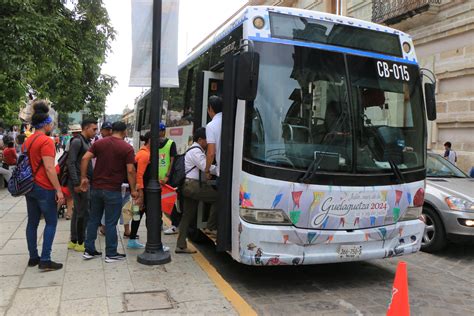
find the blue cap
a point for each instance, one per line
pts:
(162, 127)
(106, 125)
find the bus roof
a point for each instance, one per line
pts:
(249, 12)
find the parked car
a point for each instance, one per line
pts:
(448, 206)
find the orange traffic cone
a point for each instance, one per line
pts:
(399, 304)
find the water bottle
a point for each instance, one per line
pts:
(135, 212)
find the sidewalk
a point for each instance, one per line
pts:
(94, 287)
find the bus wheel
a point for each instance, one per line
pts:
(434, 237)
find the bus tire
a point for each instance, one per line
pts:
(434, 237)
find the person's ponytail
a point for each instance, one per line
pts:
(40, 112)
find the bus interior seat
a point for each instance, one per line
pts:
(333, 112)
(410, 158)
(296, 134)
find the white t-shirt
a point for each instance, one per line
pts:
(195, 161)
(452, 157)
(213, 136)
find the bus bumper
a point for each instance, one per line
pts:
(281, 245)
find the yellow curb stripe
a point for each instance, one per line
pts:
(240, 305)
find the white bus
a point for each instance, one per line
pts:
(323, 136)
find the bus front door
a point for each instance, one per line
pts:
(210, 83)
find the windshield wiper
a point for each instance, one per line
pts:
(396, 171)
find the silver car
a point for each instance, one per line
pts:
(449, 204)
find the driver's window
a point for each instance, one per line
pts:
(385, 108)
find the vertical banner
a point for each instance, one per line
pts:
(142, 21)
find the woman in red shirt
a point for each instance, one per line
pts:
(9, 154)
(46, 192)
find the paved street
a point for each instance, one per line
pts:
(441, 284)
(95, 287)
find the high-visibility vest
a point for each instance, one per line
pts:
(164, 159)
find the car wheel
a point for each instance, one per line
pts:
(434, 237)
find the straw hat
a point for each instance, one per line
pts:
(75, 128)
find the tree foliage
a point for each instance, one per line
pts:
(57, 48)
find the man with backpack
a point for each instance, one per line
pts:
(193, 189)
(79, 145)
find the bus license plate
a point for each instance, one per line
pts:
(350, 251)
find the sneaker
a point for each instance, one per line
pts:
(71, 245)
(33, 262)
(117, 257)
(80, 248)
(49, 266)
(171, 231)
(134, 244)
(91, 255)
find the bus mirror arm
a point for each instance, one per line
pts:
(430, 99)
(247, 73)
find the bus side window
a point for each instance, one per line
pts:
(140, 120)
(188, 98)
(146, 113)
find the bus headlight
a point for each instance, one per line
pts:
(265, 216)
(413, 212)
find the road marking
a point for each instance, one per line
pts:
(240, 305)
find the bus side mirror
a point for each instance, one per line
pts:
(430, 101)
(247, 76)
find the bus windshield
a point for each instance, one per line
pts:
(303, 115)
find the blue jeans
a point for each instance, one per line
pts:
(110, 204)
(41, 201)
(125, 199)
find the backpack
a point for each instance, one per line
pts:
(62, 163)
(23, 177)
(178, 171)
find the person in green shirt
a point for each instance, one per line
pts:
(167, 153)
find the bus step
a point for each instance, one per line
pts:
(210, 236)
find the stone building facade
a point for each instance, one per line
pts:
(128, 117)
(443, 34)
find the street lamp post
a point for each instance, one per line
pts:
(154, 254)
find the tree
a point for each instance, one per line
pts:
(57, 48)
